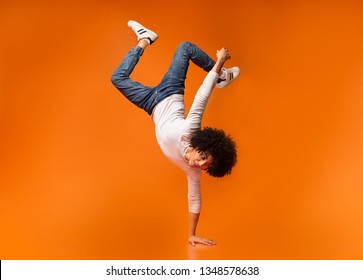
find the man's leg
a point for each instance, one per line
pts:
(174, 80)
(137, 93)
(142, 96)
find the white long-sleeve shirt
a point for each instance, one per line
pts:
(173, 133)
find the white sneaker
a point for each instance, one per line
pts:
(228, 76)
(142, 32)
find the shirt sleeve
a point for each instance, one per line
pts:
(197, 109)
(194, 194)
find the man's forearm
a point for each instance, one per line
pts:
(193, 223)
(222, 56)
(218, 66)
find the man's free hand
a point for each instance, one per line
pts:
(223, 55)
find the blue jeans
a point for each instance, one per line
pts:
(172, 83)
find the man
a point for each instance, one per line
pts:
(181, 138)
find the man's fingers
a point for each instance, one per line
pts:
(208, 242)
(203, 241)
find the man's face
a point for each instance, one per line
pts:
(200, 160)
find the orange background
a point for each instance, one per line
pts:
(82, 177)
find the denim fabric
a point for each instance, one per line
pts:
(147, 97)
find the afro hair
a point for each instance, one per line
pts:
(220, 146)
